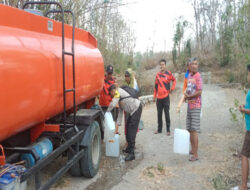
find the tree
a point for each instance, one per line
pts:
(187, 49)
(178, 38)
(179, 33)
(115, 38)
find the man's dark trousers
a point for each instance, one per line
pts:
(132, 126)
(163, 104)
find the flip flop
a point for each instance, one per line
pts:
(192, 159)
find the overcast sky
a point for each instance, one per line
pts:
(153, 21)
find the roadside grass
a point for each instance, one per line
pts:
(154, 171)
(160, 168)
(221, 182)
(148, 172)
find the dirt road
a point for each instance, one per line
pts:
(157, 167)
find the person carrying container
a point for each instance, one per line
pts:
(133, 107)
(193, 97)
(161, 93)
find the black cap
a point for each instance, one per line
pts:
(127, 74)
(111, 87)
(109, 69)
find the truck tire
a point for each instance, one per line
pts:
(91, 160)
(75, 170)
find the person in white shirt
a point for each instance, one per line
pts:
(131, 106)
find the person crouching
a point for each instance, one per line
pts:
(132, 106)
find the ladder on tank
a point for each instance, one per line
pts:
(72, 54)
(64, 53)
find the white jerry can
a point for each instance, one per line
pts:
(181, 141)
(109, 126)
(113, 146)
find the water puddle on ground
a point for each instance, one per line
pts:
(112, 170)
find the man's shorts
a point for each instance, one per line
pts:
(193, 119)
(246, 145)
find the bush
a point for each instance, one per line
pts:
(236, 115)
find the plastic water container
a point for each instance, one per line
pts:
(181, 141)
(113, 146)
(109, 124)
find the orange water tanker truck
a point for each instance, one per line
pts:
(50, 75)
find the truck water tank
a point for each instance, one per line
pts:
(31, 80)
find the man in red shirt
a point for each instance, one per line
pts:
(193, 96)
(105, 97)
(161, 93)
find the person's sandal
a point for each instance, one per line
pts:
(192, 159)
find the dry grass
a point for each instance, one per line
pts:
(155, 177)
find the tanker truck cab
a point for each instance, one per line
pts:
(50, 76)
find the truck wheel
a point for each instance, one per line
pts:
(75, 170)
(91, 160)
